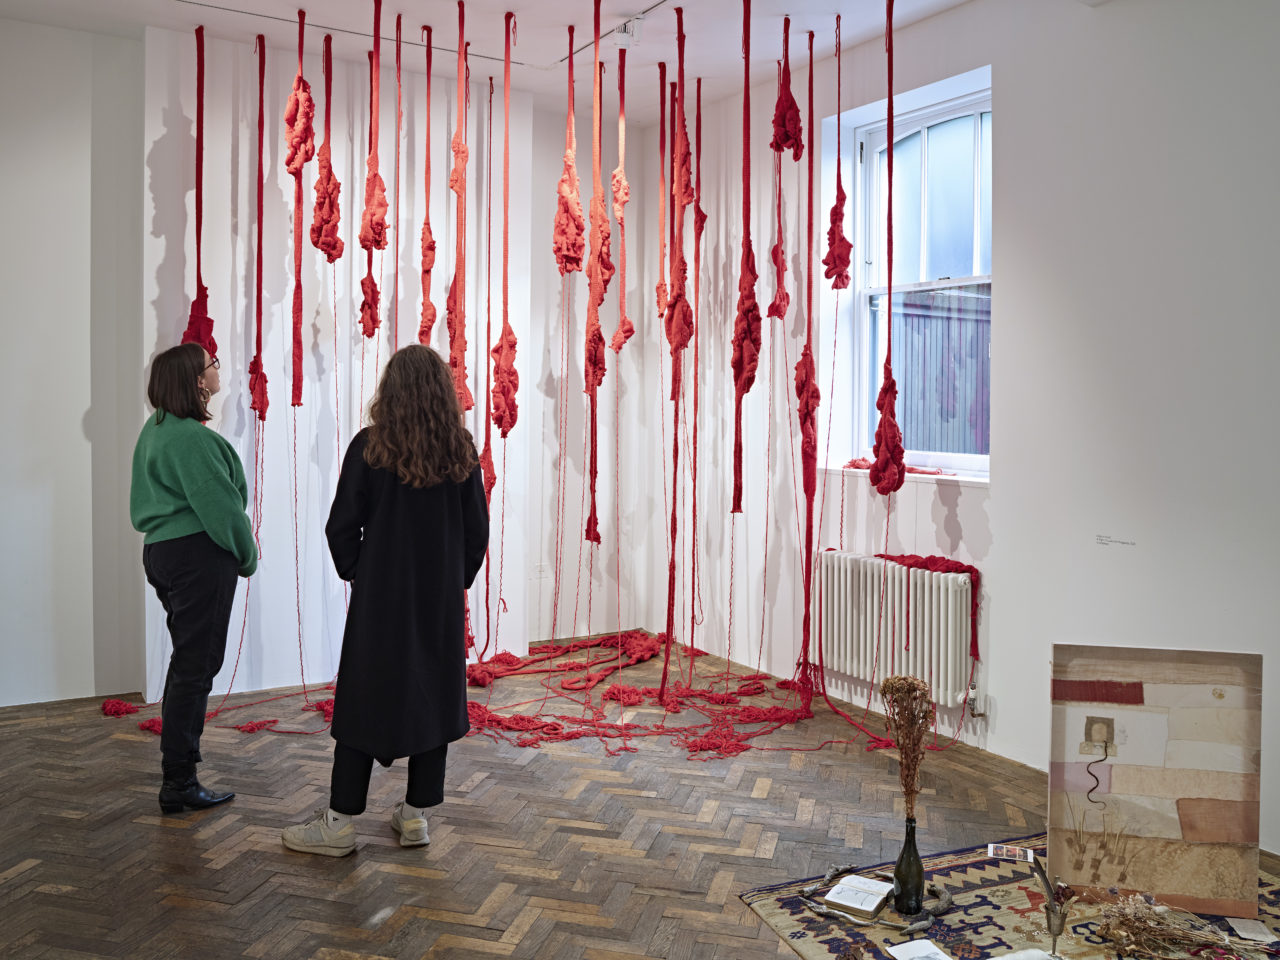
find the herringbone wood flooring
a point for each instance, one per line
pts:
(559, 852)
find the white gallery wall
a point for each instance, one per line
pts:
(1132, 343)
(1130, 500)
(70, 191)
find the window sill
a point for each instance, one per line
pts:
(956, 479)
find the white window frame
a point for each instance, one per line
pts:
(869, 138)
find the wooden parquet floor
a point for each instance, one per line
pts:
(561, 852)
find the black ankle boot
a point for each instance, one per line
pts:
(179, 795)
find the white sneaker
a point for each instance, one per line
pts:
(413, 831)
(317, 836)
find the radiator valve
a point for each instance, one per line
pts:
(971, 701)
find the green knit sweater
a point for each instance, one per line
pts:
(187, 479)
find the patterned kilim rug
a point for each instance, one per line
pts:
(999, 907)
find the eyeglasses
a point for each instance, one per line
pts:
(213, 363)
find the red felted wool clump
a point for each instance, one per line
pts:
(327, 214)
(888, 471)
(787, 128)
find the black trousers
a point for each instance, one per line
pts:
(349, 784)
(195, 580)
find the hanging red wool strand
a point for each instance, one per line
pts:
(777, 254)
(621, 197)
(567, 238)
(838, 246)
(699, 224)
(679, 316)
(599, 272)
(787, 132)
(808, 398)
(257, 376)
(661, 289)
(299, 136)
(888, 473)
(428, 239)
(486, 451)
(325, 217)
(747, 322)
(455, 308)
(199, 323)
(373, 223)
(395, 273)
(506, 381)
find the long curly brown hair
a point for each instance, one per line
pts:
(415, 423)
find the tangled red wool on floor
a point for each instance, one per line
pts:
(117, 708)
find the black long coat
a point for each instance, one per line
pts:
(410, 554)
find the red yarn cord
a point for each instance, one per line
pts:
(455, 305)
(297, 559)
(373, 223)
(561, 465)
(506, 381)
(679, 313)
(258, 376)
(699, 219)
(428, 316)
(200, 147)
(395, 222)
(806, 391)
(486, 454)
(327, 213)
(661, 289)
(300, 138)
(621, 196)
(599, 273)
(745, 356)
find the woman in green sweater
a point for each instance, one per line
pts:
(188, 497)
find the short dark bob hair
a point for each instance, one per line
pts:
(174, 386)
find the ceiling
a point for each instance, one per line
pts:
(712, 29)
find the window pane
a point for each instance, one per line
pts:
(942, 362)
(984, 248)
(950, 219)
(906, 211)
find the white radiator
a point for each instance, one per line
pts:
(927, 611)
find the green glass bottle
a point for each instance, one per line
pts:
(908, 876)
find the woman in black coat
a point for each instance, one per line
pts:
(409, 527)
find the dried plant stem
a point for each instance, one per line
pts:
(909, 709)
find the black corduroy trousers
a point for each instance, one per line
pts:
(195, 580)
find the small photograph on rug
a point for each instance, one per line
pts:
(998, 908)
